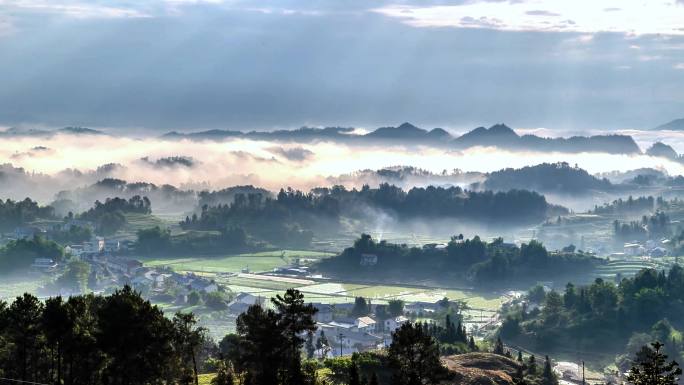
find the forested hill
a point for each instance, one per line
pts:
(547, 177)
(604, 317)
(475, 261)
(293, 214)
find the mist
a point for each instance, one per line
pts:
(66, 162)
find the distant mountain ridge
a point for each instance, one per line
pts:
(674, 125)
(498, 135)
(21, 132)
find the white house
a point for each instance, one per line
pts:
(634, 249)
(44, 264)
(395, 323)
(366, 324)
(358, 341)
(248, 299)
(128, 266)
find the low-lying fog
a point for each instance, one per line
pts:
(271, 165)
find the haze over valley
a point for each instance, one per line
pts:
(395, 192)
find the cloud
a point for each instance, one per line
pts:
(648, 58)
(538, 12)
(76, 9)
(635, 16)
(239, 161)
(218, 64)
(678, 66)
(296, 154)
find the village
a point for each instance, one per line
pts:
(342, 327)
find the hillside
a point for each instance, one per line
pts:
(480, 369)
(674, 125)
(547, 177)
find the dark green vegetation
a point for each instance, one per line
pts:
(651, 367)
(20, 254)
(631, 206)
(19, 213)
(108, 217)
(290, 218)
(157, 241)
(649, 227)
(548, 177)
(604, 317)
(165, 197)
(483, 263)
(119, 339)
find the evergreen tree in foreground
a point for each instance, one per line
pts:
(548, 376)
(499, 348)
(415, 356)
(652, 368)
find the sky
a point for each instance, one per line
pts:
(154, 66)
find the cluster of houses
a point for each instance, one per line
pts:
(650, 248)
(347, 335)
(92, 248)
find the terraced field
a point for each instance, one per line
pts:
(341, 292)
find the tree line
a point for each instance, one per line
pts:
(19, 213)
(292, 215)
(603, 316)
(121, 339)
(484, 263)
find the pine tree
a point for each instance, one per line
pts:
(532, 365)
(224, 375)
(471, 344)
(519, 378)
(310, 348)
(548, 377)
(415, 356)
(499, 348)
(652, 368)
(520, 356)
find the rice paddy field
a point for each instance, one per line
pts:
(254, 262)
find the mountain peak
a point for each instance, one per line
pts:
(662, 150)
(80, 131)
(438, 133)
(501, 128)
(407, 126)
(404, 130)
(674, 125)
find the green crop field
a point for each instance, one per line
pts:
(137, 221)
(255, 262)
(340, 292)
(13, 287)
